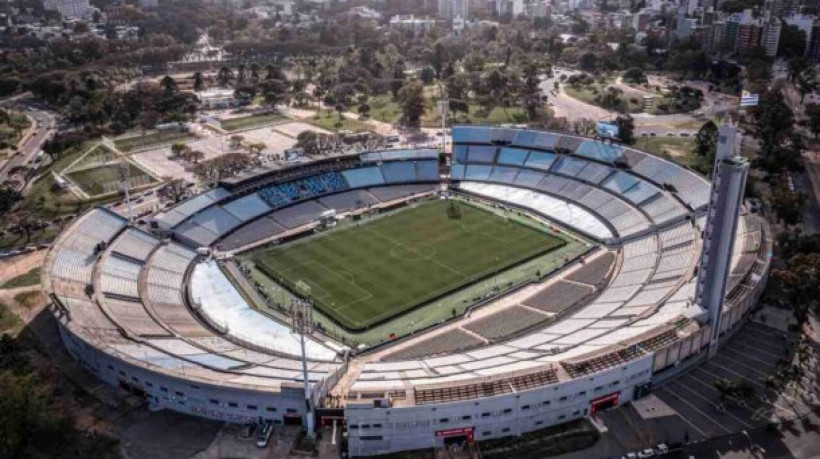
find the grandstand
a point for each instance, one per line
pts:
(149, 314)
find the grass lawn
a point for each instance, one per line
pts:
(24, 280)
(364, 274)
(678, 149)
(590, 94)
(9, 132)
(104, 179)
(329, 121)
(7, 319)
(631, 100)
(252, 121)
(383, 108)
(47, 202)
(151, 139)
(29, 300)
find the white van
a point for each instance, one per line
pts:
(263, 438)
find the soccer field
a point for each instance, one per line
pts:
(367, 273)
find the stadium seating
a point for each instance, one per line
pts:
(134, 244)
(595, 272)
(390, 193)
(506, 323)
(559, 296)
(191, 206)
(399, 172)
(248, 207)
(450, 342)
(364, 177)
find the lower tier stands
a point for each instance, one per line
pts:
(506, 323)
(559, 297)
(446, 343)
(563, 211)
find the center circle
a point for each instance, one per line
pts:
(412, 251)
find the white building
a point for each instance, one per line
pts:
(450, 9)
(69, 9)
(513, 8)
(770, 39)
(217, 98)
(412, 24)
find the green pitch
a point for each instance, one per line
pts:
(364, 274)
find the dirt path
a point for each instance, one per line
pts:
(16, 266)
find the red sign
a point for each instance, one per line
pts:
(464, 431)
(602, 402)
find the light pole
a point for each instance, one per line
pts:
(302, 324)
(125, 182)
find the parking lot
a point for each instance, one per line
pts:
(689, 408)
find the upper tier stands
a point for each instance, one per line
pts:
(140, 315)
(590, 161)
(203, 220)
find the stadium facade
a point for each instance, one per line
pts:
(156, 314)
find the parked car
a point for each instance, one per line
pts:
(263, 438)
(661, 448)
(648, 452)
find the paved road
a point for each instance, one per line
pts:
(44, 125)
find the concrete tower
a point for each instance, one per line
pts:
(728, 184)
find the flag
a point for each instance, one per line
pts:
(748, 99)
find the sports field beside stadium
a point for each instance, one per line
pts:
(367, 273)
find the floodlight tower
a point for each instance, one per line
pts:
(728, 185)
(302, 323)
(125, 182)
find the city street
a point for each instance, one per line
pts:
(44, 126)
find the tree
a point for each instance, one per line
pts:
(531, 92)
(274, 91)
(340, 111)
(364, 110)
(199, 82)
(9, 197)
(168, 84)
(178, 148)
(796, 285)
(634, 75)
(706, 146)
(222, 167)
(174, 191)
(792, 41)
(438, 59)
(725, 387)
(795, 66)
(626, 128)
(813, 113)
(427, 75)
(256, 148)
(787, 204)
(411, 100)
(224, 76)
(588, 62)
(807, 82)
(773, 122)
(236, 141)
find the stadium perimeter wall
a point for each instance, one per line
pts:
(419, 427)
(185, 394)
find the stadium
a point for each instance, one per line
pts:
(527, 280)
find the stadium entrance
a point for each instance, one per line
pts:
(456, 438)
(604, 403)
